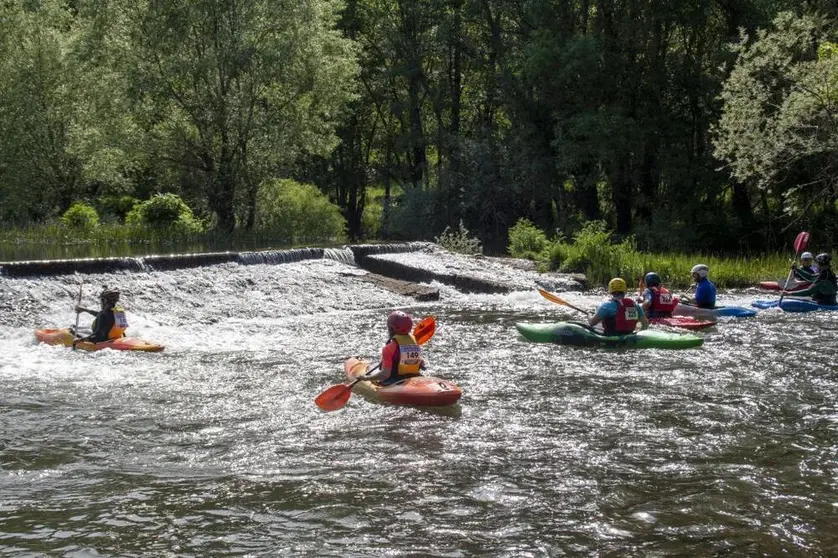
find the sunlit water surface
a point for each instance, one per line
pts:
(215, 446)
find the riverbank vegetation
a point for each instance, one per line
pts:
(705, 127)
(595, 252)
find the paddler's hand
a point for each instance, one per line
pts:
(79, 310)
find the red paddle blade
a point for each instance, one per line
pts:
(801, 242)
(334, 398)
(424, 330)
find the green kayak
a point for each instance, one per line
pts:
(570, 333)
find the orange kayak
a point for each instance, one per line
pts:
(65, 337)
(417, 390)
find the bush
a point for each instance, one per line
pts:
(371, 219)
(164, 211)
(459, 241)
(527, 241)
(297, 212)
(595, 254)
(81, 218)
(118, 206)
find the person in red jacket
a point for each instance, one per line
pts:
(619, 315)
(401, 357)
(657, 302)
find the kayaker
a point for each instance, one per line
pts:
(806, 265)
(824, 285)
(705, 290)
(619, 316)
(110, 322)
(401, 357)
(657, 302)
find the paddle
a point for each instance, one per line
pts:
(76, 328)
(553, 298)
(800, 244)
(335, 397)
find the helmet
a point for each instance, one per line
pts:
(701, 269)
(109, 295)
(652, 279)
(399, 322)
(617, 285)
(824, 259)
(807, 256)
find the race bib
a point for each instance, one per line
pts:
(666, 298)
(631, 313)
(120, 320)
(409, 354)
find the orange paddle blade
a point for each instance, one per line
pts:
(424, 330)
(334, 397)
(553, 298)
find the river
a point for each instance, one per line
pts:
(215, 447)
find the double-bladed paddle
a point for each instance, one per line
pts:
(76, 328)
(800, 244)
(558, 300)
(335, 397)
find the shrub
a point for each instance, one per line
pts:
(595, 254)
(371, 219)
(459, 241)
(411, 216)
(297, 212)
(81, 218)
(165, 211)
(526, 240)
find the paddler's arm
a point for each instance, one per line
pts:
(79, 310)
(812, 289)
(800, 274)
(606, 310)
(641, 317)
(383, 372)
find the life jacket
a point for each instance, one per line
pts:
(625, 320)
(409, 358)
(662, 303)
(120, 323)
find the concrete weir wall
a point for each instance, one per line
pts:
(398, 276)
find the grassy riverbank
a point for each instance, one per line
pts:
(593, 252)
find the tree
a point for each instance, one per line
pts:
(230, 91)
(779, 127)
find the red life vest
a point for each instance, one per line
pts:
(625, 320)
(662, 303)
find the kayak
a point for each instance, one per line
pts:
(713, 313)
(571, 333)
(424, 391)
(683, 322)
(792, 285)
(793, 305)
(65, 337)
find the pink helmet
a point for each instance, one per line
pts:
(399, 322)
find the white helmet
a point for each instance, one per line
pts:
(807, 256)
(701, 269)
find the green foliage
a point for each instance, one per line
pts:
(459, 241)
(527, 241)
(118, 206)
(81, 218)
(164, 211)
(780, 110)
(297, 212)
(371, 219)
(411, 216)
(593, 253)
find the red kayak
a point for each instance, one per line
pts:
(684, 322)
(65, 337)
(417, 390)
(792, 286)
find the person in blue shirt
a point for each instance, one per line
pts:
(705, 290)
(619, 315)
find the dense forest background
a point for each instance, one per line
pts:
(690, 124)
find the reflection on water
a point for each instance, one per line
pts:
(215, 446)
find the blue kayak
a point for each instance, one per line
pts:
(793, 305)
(712, 313)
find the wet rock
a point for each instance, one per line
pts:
(405, 288)
(476, 274)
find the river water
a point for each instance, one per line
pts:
(214, 447)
